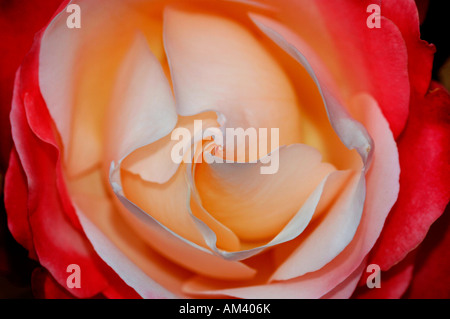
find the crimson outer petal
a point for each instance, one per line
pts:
(430, 278)
(424, 194)
(375, 56)
(424, 178)
(425, 175)
(19, 22)
(420, 54)
(422, 129)
(394, 282)
(16, 201)
(47, 224)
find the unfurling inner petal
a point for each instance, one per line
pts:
(255, 206)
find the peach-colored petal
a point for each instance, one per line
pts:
(153, 162)
(164, 202)
(217, 236)
(218, 64)
(318, 198)
(142, 110)
(254, 206)
(76, 78)
(353, 135)
(170, 244)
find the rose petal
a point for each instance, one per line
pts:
(16, 193)
(370, 56)
(143, 108)
(350, 131)
(393, 282)
(133, 262)
(45, 287)
(431, 278)
(232, 192)
(119, 290)
(49, 216)
(323, 241)
(17, 38)
(382, 179)
(420, 54)
(153, 162)
(425, 190)
(166, 203)
(217, 64)
(172, 245)
(77, 78)
(345, 289)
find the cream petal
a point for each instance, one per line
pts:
(218, 64)
(76, 78)
(200, 287)
(142, 109)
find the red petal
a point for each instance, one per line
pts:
(424, 179)
(393, 282)
(57, 237)
(16, 194)
(420, 54)
(431, 277)
(374, 59)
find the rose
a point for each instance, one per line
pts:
(12, 170)
(69, 213)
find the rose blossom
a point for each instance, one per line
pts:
(361, 134)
